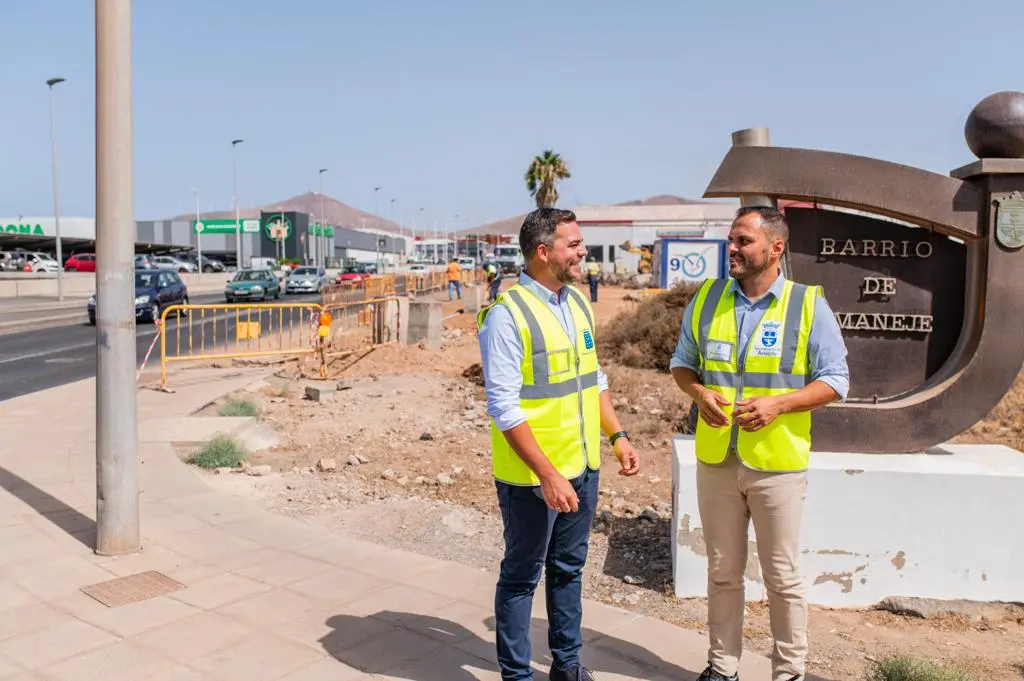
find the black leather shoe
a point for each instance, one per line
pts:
(577, 673)
(710, 674)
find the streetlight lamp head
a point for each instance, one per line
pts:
(53, 81)
(323, 170)
(234, 142)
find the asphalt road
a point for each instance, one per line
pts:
(44, 358)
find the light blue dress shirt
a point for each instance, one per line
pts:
(501, 350)
(825, 346)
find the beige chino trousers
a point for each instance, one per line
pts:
(729, 496)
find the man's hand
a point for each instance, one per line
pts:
(559, 494)
(710, 404)
(629, 460)
(756, 412)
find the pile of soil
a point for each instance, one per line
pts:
(645, 336)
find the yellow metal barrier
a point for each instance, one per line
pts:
(236, 331)
(362, 325)
(246, 331)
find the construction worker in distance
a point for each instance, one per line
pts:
(548, 407)
(593, 277)
(756, 353)
(454, 279)
(494, 276)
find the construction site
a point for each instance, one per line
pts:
(376, 429)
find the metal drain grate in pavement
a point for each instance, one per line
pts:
(132, 589)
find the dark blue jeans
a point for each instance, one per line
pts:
(537, 537)
(593, 290)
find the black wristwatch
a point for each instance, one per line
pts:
(616, 436)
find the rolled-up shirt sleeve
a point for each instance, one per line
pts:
(827, 350)
(501, 352)
(686, 354)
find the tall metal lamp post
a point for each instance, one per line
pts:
(322, 240)
(56, 211)
(234, 199)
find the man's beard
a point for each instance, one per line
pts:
(749, 268)
(564, 275)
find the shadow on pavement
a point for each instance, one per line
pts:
(72, 521)
(416, 660)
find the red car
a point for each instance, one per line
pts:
(355, 273)
(81, 262)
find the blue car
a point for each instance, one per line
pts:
(154, 291)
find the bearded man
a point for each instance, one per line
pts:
(756, 354)
(549, 403)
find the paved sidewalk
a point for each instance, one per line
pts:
(265, 597)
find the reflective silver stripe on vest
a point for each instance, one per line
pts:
(556, 390)
(539, 347)
(707, 312)
(791, 327)
(755, 379)
(583, 305)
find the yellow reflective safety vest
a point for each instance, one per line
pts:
(775, 362)
(559, 392)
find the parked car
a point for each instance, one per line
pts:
(209, 264)
(155, 290)
(306, 280)
(252, 284)
(41, 262)
(173, 263)
(81, 262)
(356, 273)
(11, 262)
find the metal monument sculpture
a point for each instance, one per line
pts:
(928, 288)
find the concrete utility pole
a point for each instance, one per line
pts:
(234, 200)
(56, 211)
(117, 488)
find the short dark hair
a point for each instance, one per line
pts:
(539, 228)
(773, 220)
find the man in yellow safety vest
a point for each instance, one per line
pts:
(549, 402)
(757, 353)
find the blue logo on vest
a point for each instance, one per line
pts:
(588, 340)
(769, 338)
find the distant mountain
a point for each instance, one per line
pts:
(335, 213)
(661, 200)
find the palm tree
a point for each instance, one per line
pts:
(543, 175)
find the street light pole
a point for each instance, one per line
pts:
(234, 199)
(56, 212)
(323, 223)
(376, 218)
(117, 488)
(199, 238)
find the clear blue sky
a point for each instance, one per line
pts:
(444, 102)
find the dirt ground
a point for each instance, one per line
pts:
(405, 446)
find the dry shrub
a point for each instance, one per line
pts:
(646, 336)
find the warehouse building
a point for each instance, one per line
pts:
(287, 229)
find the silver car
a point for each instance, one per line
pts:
(306, 280)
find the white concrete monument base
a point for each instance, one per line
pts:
(944, 524)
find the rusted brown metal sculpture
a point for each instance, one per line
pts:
(928, 286)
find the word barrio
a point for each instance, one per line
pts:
(923, 272)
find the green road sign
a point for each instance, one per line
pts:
(316, 230)
(224, 226)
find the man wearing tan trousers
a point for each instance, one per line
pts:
(757, 353)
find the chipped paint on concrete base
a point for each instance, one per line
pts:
(882, 525)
